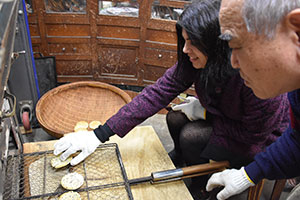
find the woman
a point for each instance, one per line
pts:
(240, 123)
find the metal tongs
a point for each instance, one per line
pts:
(182, 173)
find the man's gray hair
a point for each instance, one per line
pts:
(263, 16)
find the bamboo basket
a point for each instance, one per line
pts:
(61, 108)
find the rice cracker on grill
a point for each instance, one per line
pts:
(56, 162)
(72, 181)
(70, 196)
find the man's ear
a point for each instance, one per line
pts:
(293, 23)
(293, 20)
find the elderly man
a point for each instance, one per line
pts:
(265, 38)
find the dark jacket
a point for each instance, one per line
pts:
(242, 124)
(282, 159)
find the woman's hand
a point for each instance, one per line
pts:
(192, 108)
(84, 141)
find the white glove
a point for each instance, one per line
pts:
(235, 182)
(86, 141)
(192, 108)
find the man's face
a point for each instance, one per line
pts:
(269, 67)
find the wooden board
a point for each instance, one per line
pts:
(142, 153)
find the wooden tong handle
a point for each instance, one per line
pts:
(194, 169)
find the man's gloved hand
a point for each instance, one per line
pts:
(192, 108)
(86, 141)
(234, 182)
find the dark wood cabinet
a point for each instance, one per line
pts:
(117, 42)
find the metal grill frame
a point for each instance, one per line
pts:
(86, 189)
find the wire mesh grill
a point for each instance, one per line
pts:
(31, 176)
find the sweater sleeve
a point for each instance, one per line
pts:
(282, 158)
(152, 99)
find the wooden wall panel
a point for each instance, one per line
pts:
(34, 30)
(73, 67)
(161, 36)
(118, 42)
(69, 49)
(35, 34)
(118, 21)
(118, 32)
(63, 18)
(160, 57)
(163, 25)
(117, 62)
(113, 49)
(36, 49)
(68, 30)
(152, 73)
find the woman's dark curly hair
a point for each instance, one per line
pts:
(201, 22)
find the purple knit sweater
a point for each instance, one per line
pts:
(242, 123)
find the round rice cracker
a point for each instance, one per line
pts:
(70, 196)
(81, 124)
(94, 124)
(72, 181)
(56, 162)
(77, 129)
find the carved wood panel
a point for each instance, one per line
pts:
(117, 62)
(94, 41)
